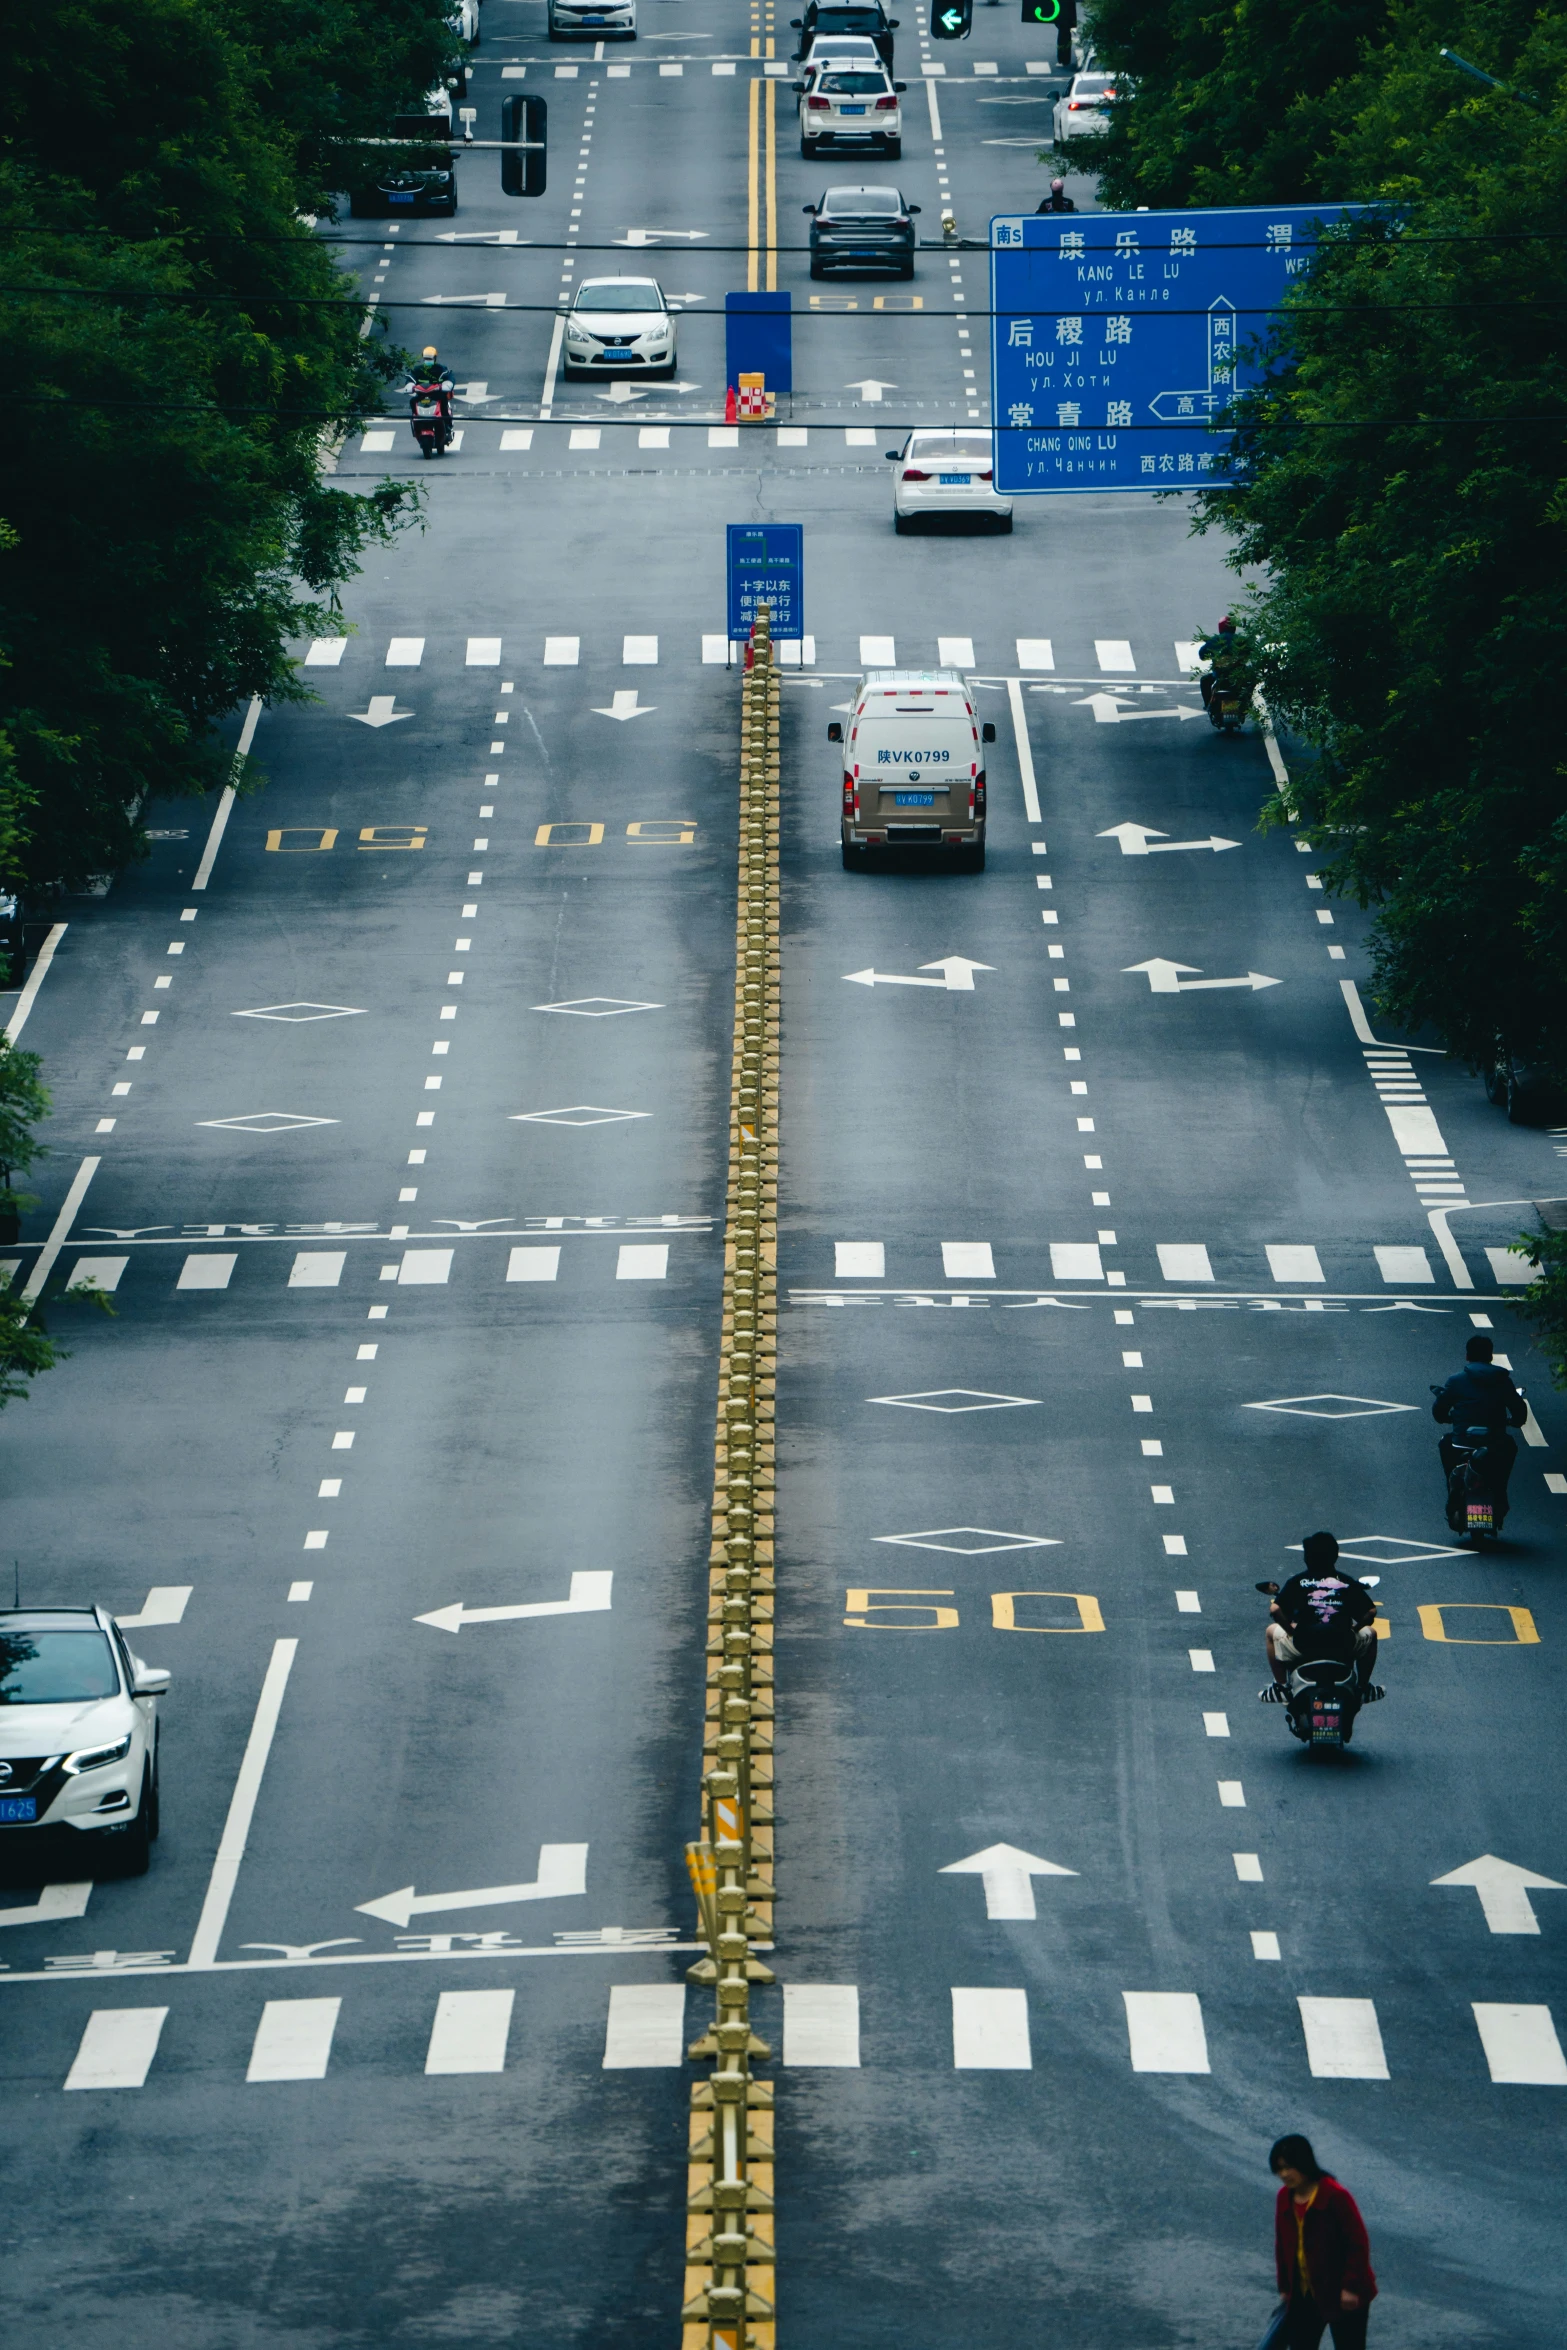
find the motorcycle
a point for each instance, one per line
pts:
(1476, 1509)
(430, 413)
(1323, 1695)
(1227, 707)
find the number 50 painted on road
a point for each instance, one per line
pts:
(870, 1607)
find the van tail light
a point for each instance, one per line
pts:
(976, 799)
(851, 799)
(885, 105)
(913, 473)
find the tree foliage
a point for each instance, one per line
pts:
(1402, 484)
(180, 341)
(25, 1345)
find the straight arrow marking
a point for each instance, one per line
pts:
(957, 976)
(590, 1595)
(624, 704)
(1504, 1891)
(1143, 840)
(1005, 1872)
(1164, 977)
(563, 1869)
(383, 711)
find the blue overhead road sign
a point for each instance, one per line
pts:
(1117, 337)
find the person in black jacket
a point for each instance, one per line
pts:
(1481, 1396)
(1321, 1612)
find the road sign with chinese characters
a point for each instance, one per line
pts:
(1119, 338)
(766, 566)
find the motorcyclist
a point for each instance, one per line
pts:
(1058, 200)
(432, 374)
(1481, 1396)
(1226, 664)
(1322, 1612)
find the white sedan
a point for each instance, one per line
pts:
(619, 325)
(945, 471)
(1085, 107)
(850, 105)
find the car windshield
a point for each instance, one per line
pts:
(1092, 85)
(862, 204)
(629, 294)
(968, 447)
(849, 20)
(853, 85)
(55, 1668)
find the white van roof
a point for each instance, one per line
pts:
(913, 681)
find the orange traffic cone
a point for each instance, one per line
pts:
(731, 415)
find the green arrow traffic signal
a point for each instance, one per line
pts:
(953, 21)
(1041, 11)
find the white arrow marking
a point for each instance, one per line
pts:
(871, 388)
(1145, 840)
(383, 711)
(55, 1901)
(1107, 711)
(1163, 977)
(620, 393)
(645, 236)
(589, 1595)
(563, 1869)
(1005, 1873)
(624, 704)
(957, 976)
(166, 1603)
(457, 301)
(1504, 1891)
(481, 236)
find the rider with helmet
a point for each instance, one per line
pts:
(1321, 1612)
(1481, 1396)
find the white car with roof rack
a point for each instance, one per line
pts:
(913, 758)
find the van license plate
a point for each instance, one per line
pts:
(18, 1807)
(915, 799)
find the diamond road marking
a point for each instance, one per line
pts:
(1329, 1407)
(1393, 1550)
(955, 1399)
(584, 1114)
(292, 1012)
(267, 1122)
(971, 1541)
(597, 1007)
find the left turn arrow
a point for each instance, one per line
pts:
(590, 1595)
(563, 1869)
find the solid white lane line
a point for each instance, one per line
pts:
(44, 1263)
(990, 2031)
(646, 2025)
(225, 808)
(1343, 2039)
(1166, 2033)
(551, 365)
(242, 1807)
(35, 979)
(293, 2040)
(469, 2032)
(1025, 756)
(117, 2048)
(821, 2024)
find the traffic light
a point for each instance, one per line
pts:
(1056, 12)
(522, 173)
(952, 20)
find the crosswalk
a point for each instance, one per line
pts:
(1072, 653)
(1177, 1264)
(205, 1271)
(993, 2029)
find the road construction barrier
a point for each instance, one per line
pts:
(730, 2255)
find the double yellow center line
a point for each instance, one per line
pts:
(762, 188)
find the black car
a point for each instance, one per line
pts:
(836, 16)
(13, 942)
(1515, 1081)
(422, 182)
(862, 228)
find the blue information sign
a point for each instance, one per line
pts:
(767, 566)
(1116, 337)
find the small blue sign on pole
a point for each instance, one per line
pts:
(766, 566)
(1117, 337)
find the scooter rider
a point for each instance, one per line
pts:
(1058, 200)
(1222, 651)
(1321, 1612)
(1481, 1396)
(433, 375)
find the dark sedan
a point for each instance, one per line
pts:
(834, 16)
(862, 228)
(420, 180)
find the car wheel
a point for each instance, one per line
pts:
(154, 1806)
(903, 524)
(1004, 525)
(129, 1849)
(853, 859)
(805, 151)
(892, 149)
(907, 270)
(817, 269)
(361, 208)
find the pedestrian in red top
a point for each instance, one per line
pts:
(1324, 2259)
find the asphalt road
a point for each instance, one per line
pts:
(450, 1017)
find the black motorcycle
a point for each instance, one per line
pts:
(1476, 1501)
(1322, 1696)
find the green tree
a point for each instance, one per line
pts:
(25, 1345)
(180, 343)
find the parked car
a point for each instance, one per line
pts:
(836, 16)
(850, 106)
(1517, 1083)
(862, 228)
(913, 759)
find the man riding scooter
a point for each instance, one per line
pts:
(1321, 1612)
(430, 402)
(1480, 1396)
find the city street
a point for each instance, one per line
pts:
(1111, 1263)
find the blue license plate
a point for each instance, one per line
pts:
(18, 1807)
(402, 199)
(956, 481)
(915, 799)
(851, 110)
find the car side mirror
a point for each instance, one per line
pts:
(150, 1681)
(900, 86)
(893, 454)
(808, 208)
(1270, 1588)
(798, 88)
(794, 24)
(911, 208)
(835, 731)
(987, 733)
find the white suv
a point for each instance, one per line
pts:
(593, 20)
(78, 1732)
(850, 104)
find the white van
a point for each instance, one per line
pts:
(914, 768)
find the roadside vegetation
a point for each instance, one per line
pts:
(179, 342)
(1404, 487)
